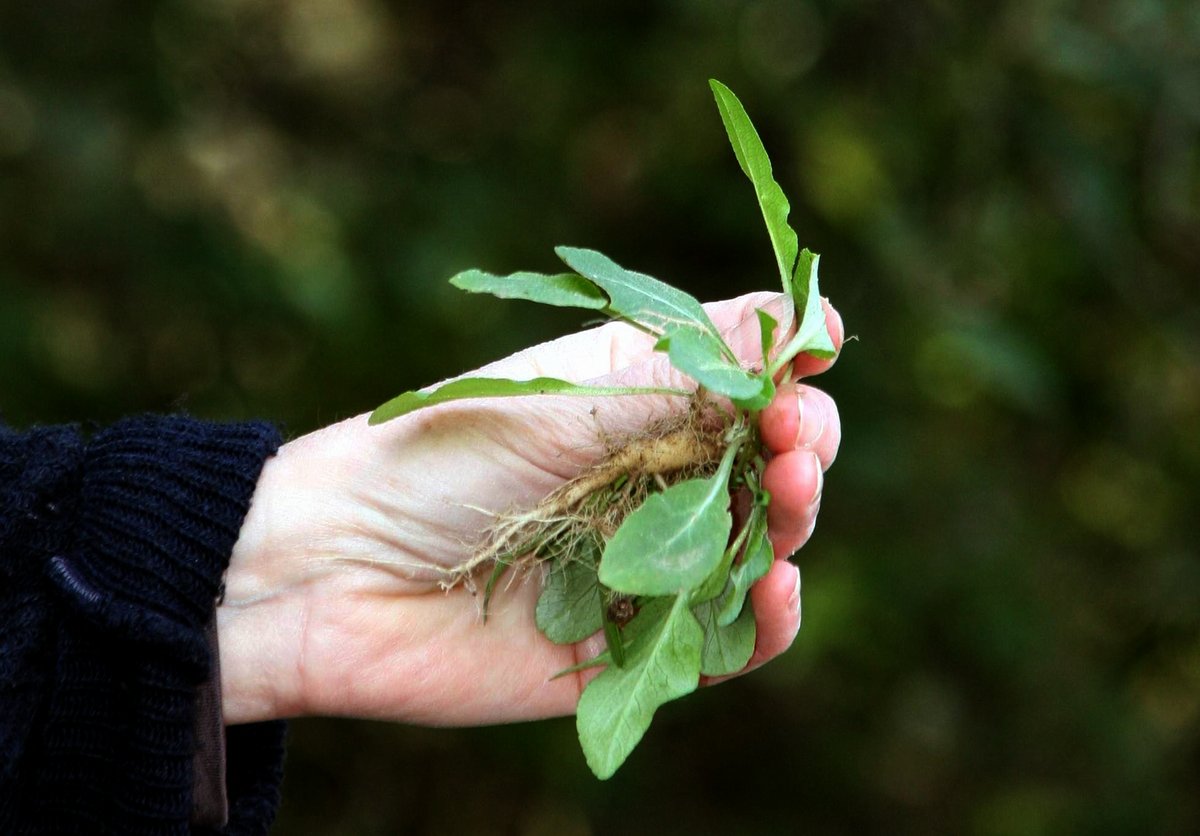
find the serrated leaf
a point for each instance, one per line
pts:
(752, 157)
(566, 290)
(663, 664)
(569, 608)
(757, 557)
(673, 540)
(699, 355)
(498, 387)
(638, 297)
(726, 648)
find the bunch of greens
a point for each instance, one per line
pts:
(640, 546)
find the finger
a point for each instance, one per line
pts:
(806, 365)
(794, 481)
(776, 602)
(802, 418)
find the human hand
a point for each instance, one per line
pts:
(333, 603)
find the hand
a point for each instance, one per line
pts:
(333, 604)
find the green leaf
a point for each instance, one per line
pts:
(613, 638)
(502, 564)
(697, 354)
(566, 290)
(726, 648)
(811, 335)
(637, 297)
(498, 387)
(717, 580)
(806, 267)
(663, 664)
(766, 330)
(755, 563)
(693, 343)
(752, 157)
(604, 657)
(631, 633)
(759, 401)
(673, 540)
(569, 608)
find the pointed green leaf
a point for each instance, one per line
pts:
(756, 561)
(806, 269)
(752, 157)
(673, 540)
(663, 664)
(613, 640)
(498, 387)
(569, 608)
(726, 648)
(811, 335)
(566, 290)
(604, 657)
(699, 355)
(717, 580)
(638, 297)
(766, 331)
(502, 564)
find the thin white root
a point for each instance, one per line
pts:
(686, 444)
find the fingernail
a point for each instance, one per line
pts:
(794, 600)
(816, 499)
(811, 423)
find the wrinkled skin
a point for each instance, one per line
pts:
(332, 600)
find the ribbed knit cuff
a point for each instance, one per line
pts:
(37, 469)
(111, 557)
(161, 502)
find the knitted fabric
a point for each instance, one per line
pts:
(111, 557)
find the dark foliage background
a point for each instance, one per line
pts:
(250, 207)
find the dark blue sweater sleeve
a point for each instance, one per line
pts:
(111, 555)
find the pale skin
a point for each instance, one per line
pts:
(333, 604)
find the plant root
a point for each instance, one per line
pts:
(593, 504)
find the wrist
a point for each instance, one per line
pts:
(259, 633)
(256, 683)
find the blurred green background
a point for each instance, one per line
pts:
(250, 207)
